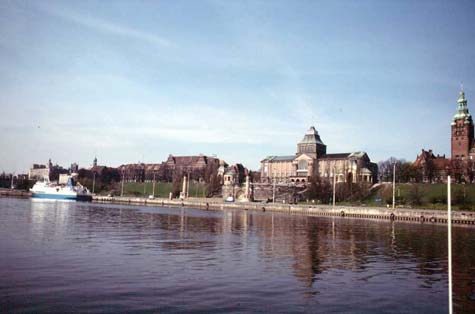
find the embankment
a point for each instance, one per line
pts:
(14, 193)
(398, 214)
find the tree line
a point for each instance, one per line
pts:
(462, 171)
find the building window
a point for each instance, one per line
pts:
(303, 165)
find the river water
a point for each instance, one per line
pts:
(67, 257)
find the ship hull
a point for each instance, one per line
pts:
(54, 196)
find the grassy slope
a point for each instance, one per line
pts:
(428, 191)
(162, 189)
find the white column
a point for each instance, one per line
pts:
(449, 239)
(394, 184)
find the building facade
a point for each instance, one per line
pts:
(194, 167)
(312, 159)
(46, 172)
(40, 172)
(432, 168)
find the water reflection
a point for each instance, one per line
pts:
(232, 260)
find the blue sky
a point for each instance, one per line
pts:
(137, 80)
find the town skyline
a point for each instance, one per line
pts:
(237, 80)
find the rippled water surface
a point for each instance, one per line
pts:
(66, 257)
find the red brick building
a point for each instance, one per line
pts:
(432, 168)
(193, 166)
(461, 165)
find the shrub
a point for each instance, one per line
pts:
(438, 199)
(415, 196)
(462, 200)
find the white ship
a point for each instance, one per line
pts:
(70, 191)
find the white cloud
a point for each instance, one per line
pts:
(106, 27)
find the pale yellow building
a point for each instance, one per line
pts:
(40, 172)
(312, 158)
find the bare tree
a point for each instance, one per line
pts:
(319, 189)
(385, 169)
(456, 170)
(177, 184)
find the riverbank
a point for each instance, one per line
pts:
(364, 212)
(14, 193)
(398, 214)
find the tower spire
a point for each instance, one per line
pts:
(462, 95)
(462, 101)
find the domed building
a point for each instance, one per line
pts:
(312, 158)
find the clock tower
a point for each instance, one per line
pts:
(462, 130)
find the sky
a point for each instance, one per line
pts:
(131, 81)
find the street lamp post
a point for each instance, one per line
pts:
(144, 186)
(449, 240)
(153, 186)
(188, 186)
(334, 185)
(273, 191)
(122, 188)
(394, 184)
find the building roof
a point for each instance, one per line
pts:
(439, 162)
(311, 137)
(336, 156)
(199, 160)
(132, 166)
(365, 171)
(357, 154)
(152, 167)
(462, 109)
(279, 158)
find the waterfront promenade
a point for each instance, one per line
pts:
(380, 213)
(363, 212)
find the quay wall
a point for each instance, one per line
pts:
(14, 193)
(397, 214)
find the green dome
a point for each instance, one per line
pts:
(462, 109)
